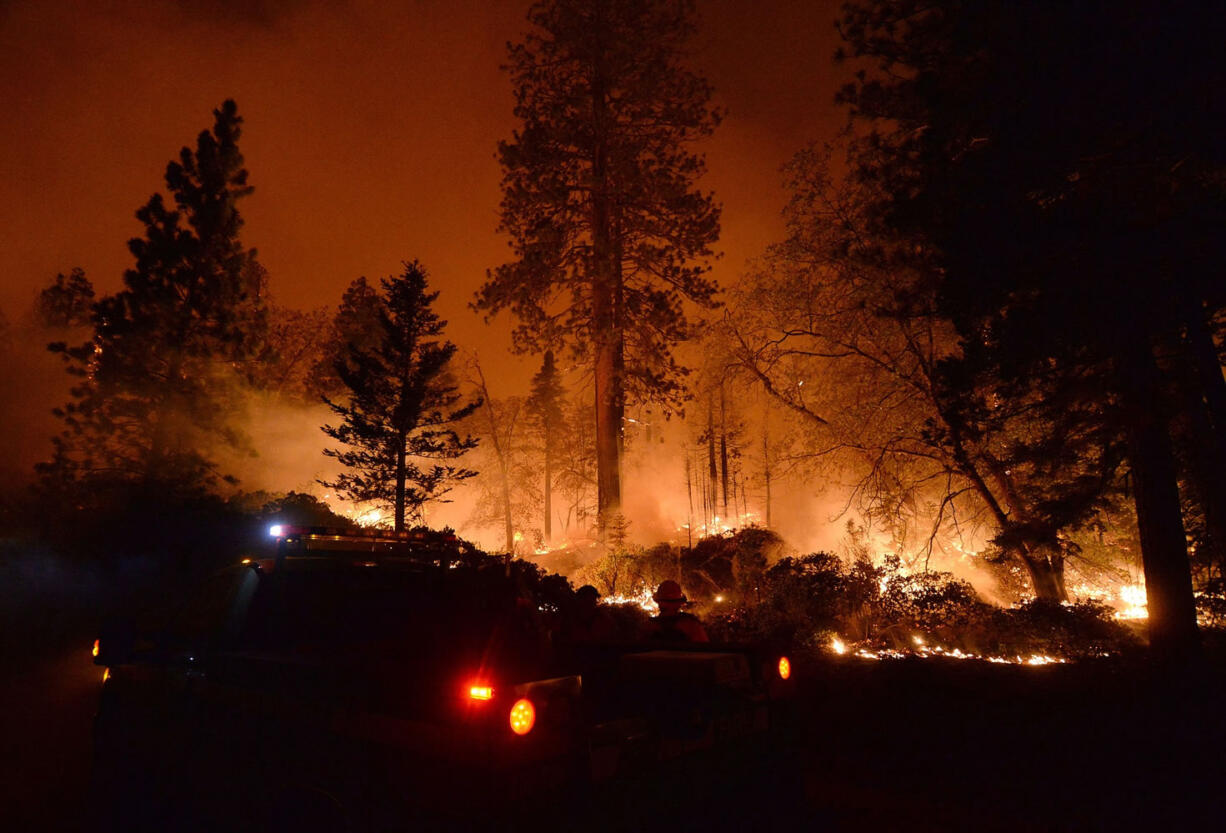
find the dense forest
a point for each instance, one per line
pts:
(971, 402)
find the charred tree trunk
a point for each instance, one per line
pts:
(1173, 633)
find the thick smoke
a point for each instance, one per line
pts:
(32, 383)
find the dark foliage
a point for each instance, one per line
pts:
(158, 379)
(1060, 165)
(546, 407)
(730, 565)
(67, 302)
(809, 600)
(401, 405)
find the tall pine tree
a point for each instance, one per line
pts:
(398, 418)
(158, 378)
(610, 235)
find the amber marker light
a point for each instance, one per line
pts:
(523, 716)
(481, 692)
(106, 674)
(785, 668)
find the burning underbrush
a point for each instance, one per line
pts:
(744, 591)
(820, 603)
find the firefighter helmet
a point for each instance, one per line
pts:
(669, 591)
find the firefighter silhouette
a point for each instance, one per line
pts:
(674, 624)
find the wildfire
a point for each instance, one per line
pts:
(546, 549)
(1129, 600)
(1133, 596)
(922, 649)
(368, 517)
(719, 526)
(365, 516)
(641, 598)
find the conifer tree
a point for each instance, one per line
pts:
(610, 235)
(545, 405)
(401, 405)
(66, 302)
(158, 378)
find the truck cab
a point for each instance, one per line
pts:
(361, 681)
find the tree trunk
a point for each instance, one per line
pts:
(766, 466)
(1045, 567)
(712, 469)
(1173, 632)
(1209, 372)
(503, 453)
(1207, 416)
(548, 485)
(723, 451)
(506, 508)
(608, 426)
(606, 334)
(689, 495)
(401, 476)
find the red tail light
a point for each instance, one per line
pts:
(523, 716)
(481, 692)
(785, 668)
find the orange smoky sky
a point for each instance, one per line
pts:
(370, 132)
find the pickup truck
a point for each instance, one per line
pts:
(381, 682)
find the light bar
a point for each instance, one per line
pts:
(481, 692)
(284, 530)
